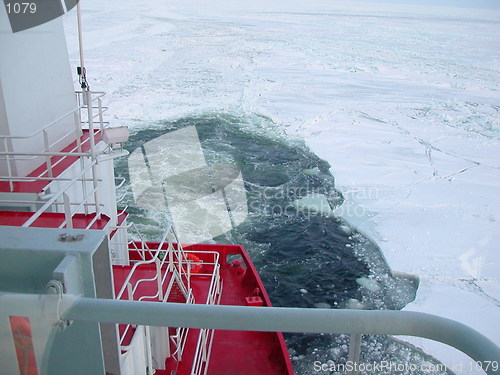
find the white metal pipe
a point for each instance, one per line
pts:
(43, 202)
(149, 355)
(280, 319)
(100, 112)
(90, 122)
(35, 154)
(159, 278)
(67, 211)
(9, 167)
(266, 319)
(42, 209)
(95, 184)
(99, 95)
(80, 34)
(354, 352)
(48, 160)
(39, 178)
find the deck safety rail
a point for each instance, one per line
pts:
(159, 277)
(87, 176)
(206, 335)
(170, 262)
(181, 334)
(143, 247)
(265, 319)
(131, 289)
(66, 203)
(44, 133)
(179, 270)
(99, 107)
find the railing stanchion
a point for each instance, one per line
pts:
(93, 152)
(67, 211)
(46, 147)
(101, 119)
(51, 160)
(9, 167)
(159, 281)
(354, 353)
(149, 356)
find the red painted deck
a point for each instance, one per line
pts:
(233, 352)
(51, 220)
(63, 162)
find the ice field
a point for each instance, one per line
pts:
(403, 101)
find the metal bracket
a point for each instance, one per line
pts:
(57, 288)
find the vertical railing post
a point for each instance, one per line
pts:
(90, 121)
(78, 131)
(84, 185)
(149, 354)
(9, 167)
(81, 98)
(46, 149)
(101, 119)
(130, 292)
(158, 275)
(78, 121)
(354, 353)
(93, 154)
(67, 211)
(78, 136)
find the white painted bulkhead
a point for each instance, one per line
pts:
(36, 88)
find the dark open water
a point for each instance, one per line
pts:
(304, 259)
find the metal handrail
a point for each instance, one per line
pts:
(99, 94)
(10, 156)
(47, 154)
(181, 333)
(132, 271)
(80, 176)
(57, 195)
(279, 319)
(69, 213)
(176, 258)
(122, 181)
(264, 319)
(33, 179)
(205, 336)
(35, 154)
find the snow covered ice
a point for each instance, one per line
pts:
(402, 101)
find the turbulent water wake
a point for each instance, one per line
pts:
(305, 254)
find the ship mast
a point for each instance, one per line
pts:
(81, 69)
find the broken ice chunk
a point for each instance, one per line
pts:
(354, 304)
(315, 203)
(370, 284)
(311, 172)
(322, 305)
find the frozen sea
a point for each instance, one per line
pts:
(402, 101)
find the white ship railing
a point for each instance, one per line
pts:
(100, 108)
(179, 270)
(205, 337)
(73, 135)
(66, 203)
(172, 262)
(265, 319)
(89, 201)
(159, 276)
